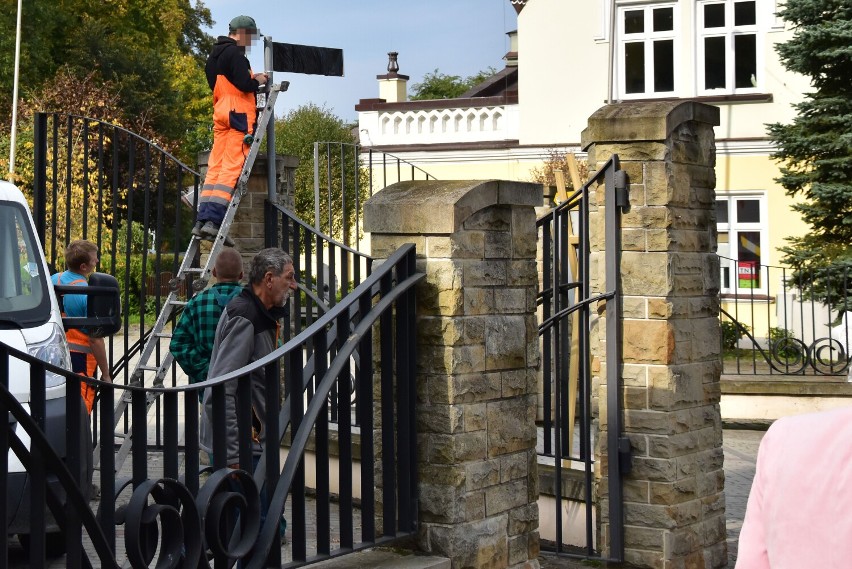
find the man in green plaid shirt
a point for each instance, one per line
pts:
(192, 339)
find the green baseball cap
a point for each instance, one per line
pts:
(242, 23)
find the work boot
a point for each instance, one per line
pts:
(196, 229)
(210, 231)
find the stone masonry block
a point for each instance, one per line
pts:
(662, 516)
(452, 449)
(478, 300)
(510, 300)
(458, 359)
(494, 218)
(498, 245)
(635, 307)
(679, 491)
(515, 466)
(473, 545)
(492, 272)
(481, 475)
(648, 341)
(646, 274)
(507, 496)
(465, 388)
(475, 417)
(445, 419)
(511, 425)
(505, 346)
(523, 520)
(460, 245)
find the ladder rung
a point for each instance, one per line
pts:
(163, 335)
(148, 368)
(179, 302)
(193, 270)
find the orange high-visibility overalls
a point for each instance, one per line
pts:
(78, 342)
(234, 116)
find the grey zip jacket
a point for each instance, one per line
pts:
(246, 332)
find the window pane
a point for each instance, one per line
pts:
(723, 249)
(745, 14)
(745, 61)
(748, 211)
(634, 21)
(748, 255)
(722, 213)
(714, 15)
(663, 19)
(634, 67)
(663, 66)
(714, 63)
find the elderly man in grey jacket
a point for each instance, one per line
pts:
(248, 330)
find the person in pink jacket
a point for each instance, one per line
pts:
(799, 512)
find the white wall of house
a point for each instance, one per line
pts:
(564, 64)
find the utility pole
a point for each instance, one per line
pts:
(15, 98)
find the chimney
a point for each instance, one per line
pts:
(393, 87)
(511, 57)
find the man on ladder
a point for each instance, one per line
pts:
(234, 120)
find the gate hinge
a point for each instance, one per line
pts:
(622, 196)
(625, 455)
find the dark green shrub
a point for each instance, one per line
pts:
(731, 333)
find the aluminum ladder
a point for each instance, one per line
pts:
(266, 106)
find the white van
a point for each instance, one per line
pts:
(31, 322)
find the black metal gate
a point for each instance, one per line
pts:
(568, 311)
(90, 179)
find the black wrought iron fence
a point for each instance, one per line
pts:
(777, 322)
(98, 181)
(176, 512)
(347, 174)
(566, 299)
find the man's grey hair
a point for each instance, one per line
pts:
(272, 259)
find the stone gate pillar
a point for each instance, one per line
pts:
(247, 229)
(477, 352)
(674, 505)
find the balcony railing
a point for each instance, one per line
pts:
(481, 119)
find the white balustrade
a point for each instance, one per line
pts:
(439, 126)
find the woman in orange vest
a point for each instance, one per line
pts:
(87, 354)
(234, 117)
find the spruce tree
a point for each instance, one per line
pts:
(815, 150)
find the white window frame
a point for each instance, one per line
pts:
(729, 32)
(648, 37)
(733, 228)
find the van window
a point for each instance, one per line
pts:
(24, 297)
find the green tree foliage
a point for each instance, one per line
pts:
(295, 134)
(437, 85)
(816, 148)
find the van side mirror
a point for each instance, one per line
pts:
(103, 313)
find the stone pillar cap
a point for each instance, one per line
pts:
(644, 121)
(441, 207)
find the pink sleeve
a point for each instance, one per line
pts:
(752, 550)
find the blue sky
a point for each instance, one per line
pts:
(458, 37)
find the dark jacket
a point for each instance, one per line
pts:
(228, 59)
(247, 332)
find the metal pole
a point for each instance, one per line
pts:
(316, 188)
(13, 137)
(270, 126)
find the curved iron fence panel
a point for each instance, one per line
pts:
(173, 507)
(777, 322)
